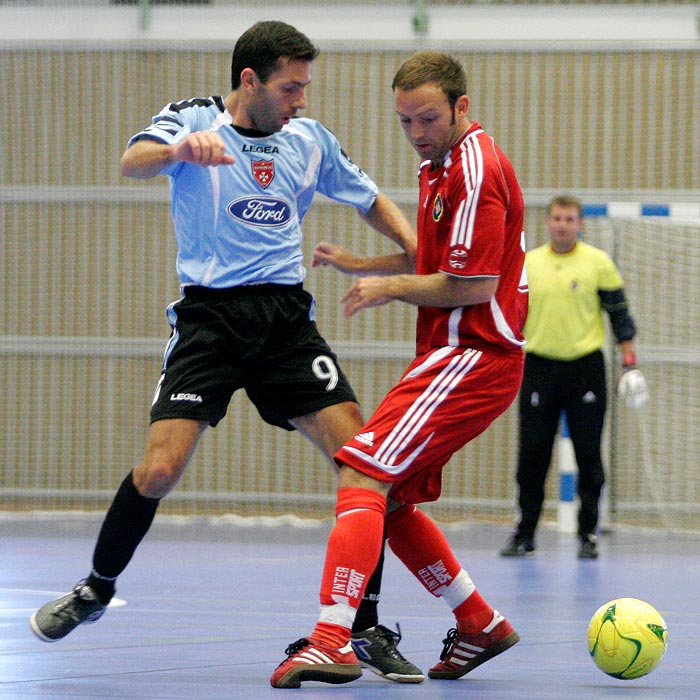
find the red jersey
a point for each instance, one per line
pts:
(469, 362)
(470, 224)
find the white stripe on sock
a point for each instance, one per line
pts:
(338, 614)
(459, 589)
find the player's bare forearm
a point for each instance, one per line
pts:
(350, 264)
(396, 264)
(385, 216)
(436, 289)
(147, 158)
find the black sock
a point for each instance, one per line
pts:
(127, 521)
(367, 614)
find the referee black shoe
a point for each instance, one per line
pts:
(376, 650)
(519, 546)
(588, 548)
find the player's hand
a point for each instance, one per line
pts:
(335, 256)
(632, 388)
(205, 148)
(366, 292)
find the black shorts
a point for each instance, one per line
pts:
(261, 338)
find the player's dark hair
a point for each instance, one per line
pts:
(566, 200)
(432, 67)
(261, 47)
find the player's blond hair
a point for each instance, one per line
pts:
(432, 67)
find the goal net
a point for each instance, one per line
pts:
(653, 479)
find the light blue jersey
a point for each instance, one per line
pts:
(241, 224)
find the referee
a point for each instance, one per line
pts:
(571, 283)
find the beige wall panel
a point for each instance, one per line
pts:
(81, 261)
(578, 120)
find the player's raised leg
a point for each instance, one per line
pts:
(170, 446)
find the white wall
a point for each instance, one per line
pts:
(377, 25)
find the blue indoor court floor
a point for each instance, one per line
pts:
(207, 607)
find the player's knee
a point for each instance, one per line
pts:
(156, 482)
(158, 473)
(352, 478)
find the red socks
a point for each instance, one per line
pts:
(353, 550)
(420, 544)
(354, 546)
(422, 547)
(474, 614)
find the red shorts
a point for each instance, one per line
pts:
(445, 399)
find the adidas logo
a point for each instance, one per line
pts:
(366, 438)
(463, 652)
(495, 620)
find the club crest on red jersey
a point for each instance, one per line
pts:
(438, 208)
(263, 171)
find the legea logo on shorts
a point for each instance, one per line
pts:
(260, 211)
(194, 398)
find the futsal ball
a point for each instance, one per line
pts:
(626, 638)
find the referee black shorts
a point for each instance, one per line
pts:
(261, 338)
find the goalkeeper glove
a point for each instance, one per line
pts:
(632, 387)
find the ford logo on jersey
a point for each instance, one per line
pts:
(260, 211)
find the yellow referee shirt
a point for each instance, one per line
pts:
(565, 316)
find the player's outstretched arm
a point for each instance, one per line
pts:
(350, 264)
(385, 216)
(436, 289)
(147, 158)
